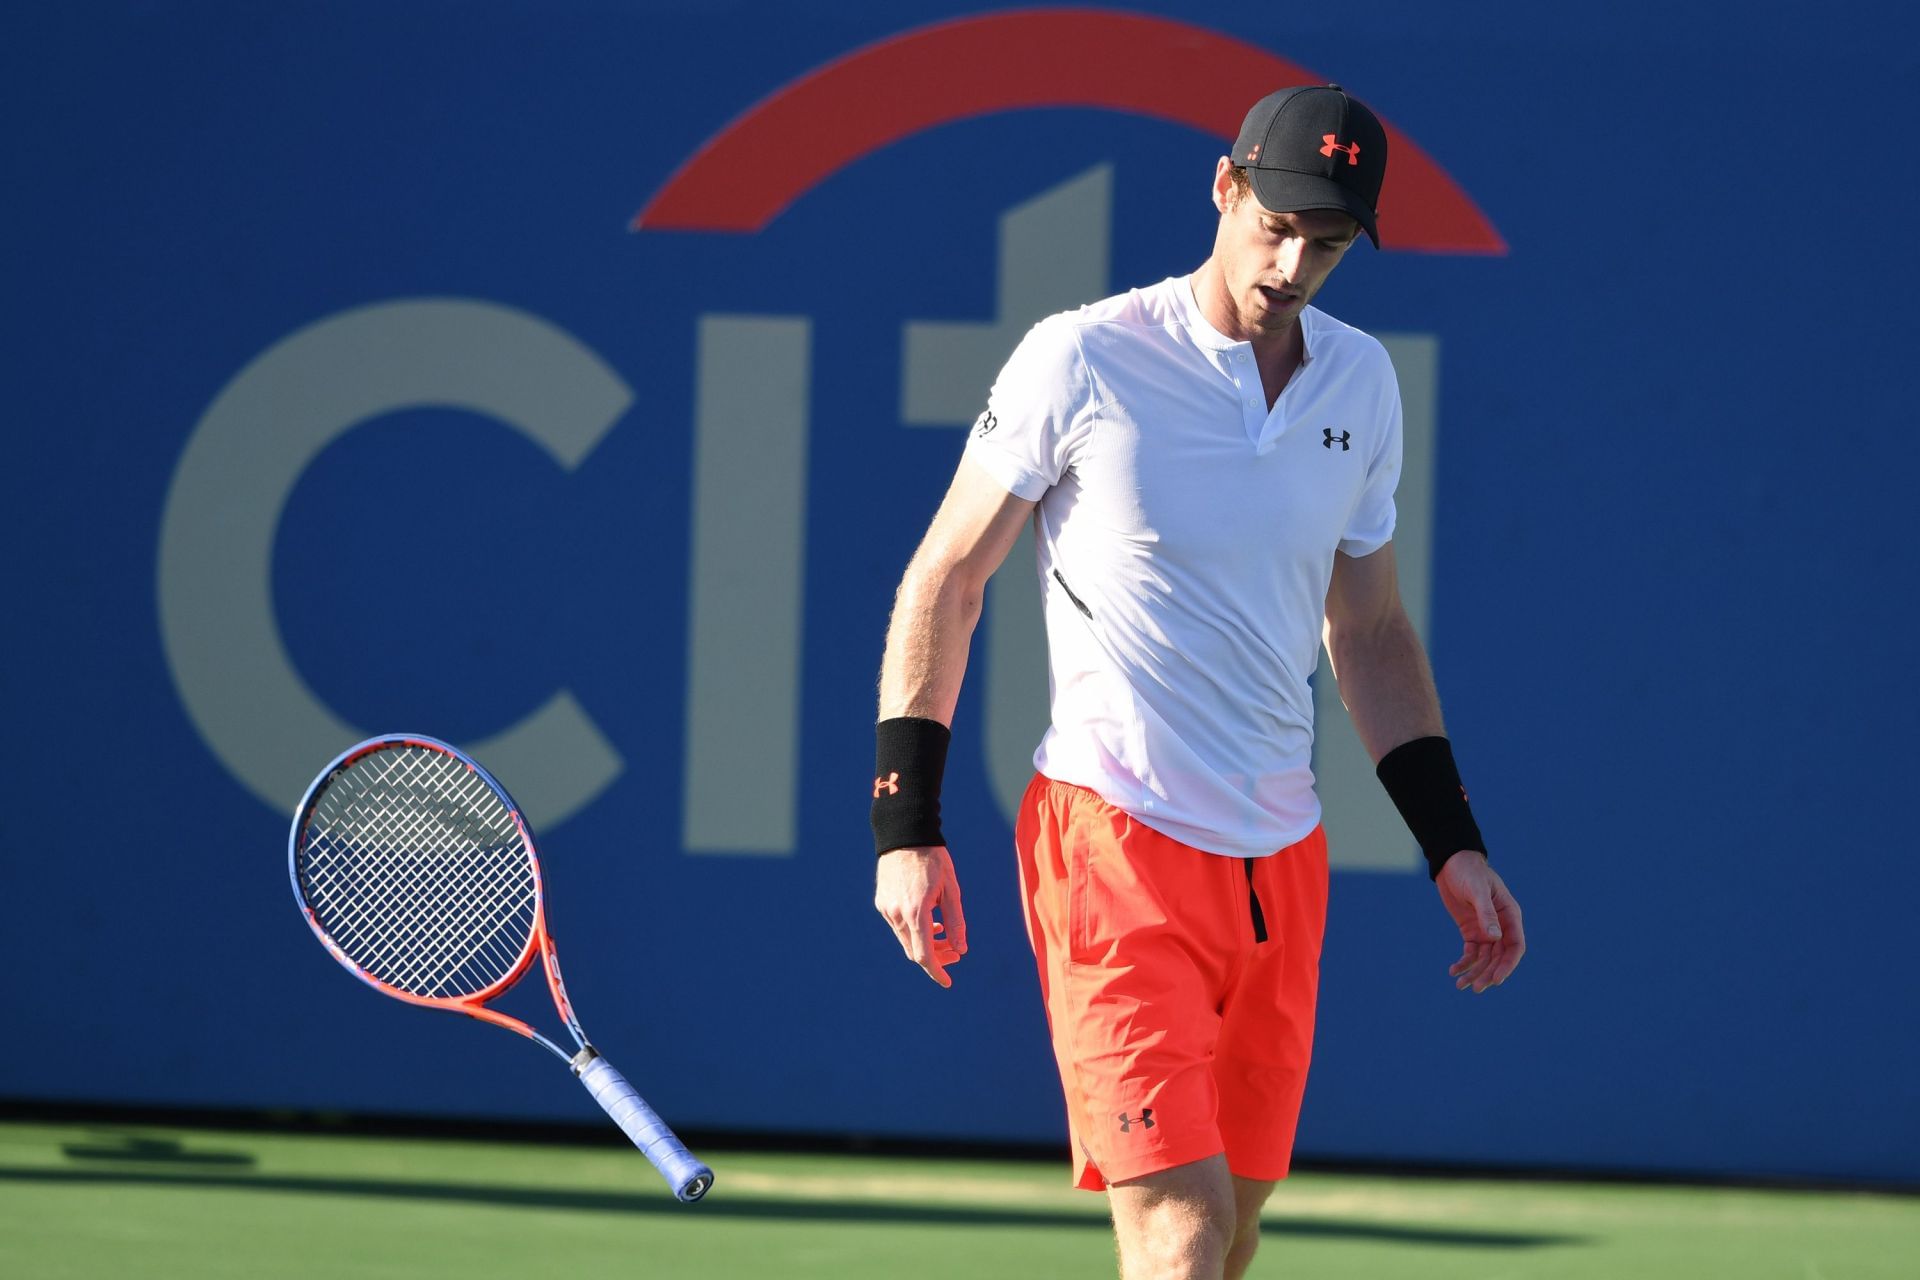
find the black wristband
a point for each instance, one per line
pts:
(909, 759)
(1425, 786)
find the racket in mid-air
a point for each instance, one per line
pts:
(418, 873)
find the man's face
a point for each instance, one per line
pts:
(1273, 263)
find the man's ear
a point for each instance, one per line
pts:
(1223, 190)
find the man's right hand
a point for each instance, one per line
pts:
(909, 885)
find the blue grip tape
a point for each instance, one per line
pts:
(683, 1171)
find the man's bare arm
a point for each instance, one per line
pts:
(1388, 689)
(939, 599)
(934, 613)
(1377, 657)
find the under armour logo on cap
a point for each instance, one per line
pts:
(1333, 144)
(1314, 147)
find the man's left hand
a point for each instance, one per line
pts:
(1489, 921)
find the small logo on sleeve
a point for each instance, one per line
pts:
(889, 784)
(1144, 1120)
(985, 423)
(1333, 439)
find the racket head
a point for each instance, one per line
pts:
(417, 872)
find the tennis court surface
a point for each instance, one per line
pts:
(125, 1200)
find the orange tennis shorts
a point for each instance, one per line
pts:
(1179, 986)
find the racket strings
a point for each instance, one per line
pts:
(419, 873)
(428, 859)
(436, 866)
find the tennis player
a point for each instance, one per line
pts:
(1209, 464)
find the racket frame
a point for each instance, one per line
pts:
(539, 941)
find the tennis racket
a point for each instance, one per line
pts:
(418, 873)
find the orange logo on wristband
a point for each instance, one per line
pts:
(891, 783)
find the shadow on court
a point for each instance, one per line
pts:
(162, 1151)
(754, 1207)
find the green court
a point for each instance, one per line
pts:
(134, 1201)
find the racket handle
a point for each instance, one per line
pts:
(683, 1171)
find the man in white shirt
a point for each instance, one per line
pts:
(1209, 464)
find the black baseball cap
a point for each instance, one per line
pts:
(1314, 147)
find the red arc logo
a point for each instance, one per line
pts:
(1132, 63)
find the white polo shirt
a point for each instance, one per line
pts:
(1186, 538)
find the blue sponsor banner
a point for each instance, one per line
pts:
(573, 381)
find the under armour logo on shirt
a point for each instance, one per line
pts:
(1333, 439)
(1144, 1120)
(985, 423)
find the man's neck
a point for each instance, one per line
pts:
(1218, 307)
(1279, 359)
(1276, 352)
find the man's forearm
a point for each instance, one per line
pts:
(1386, 684)
(934, 613)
